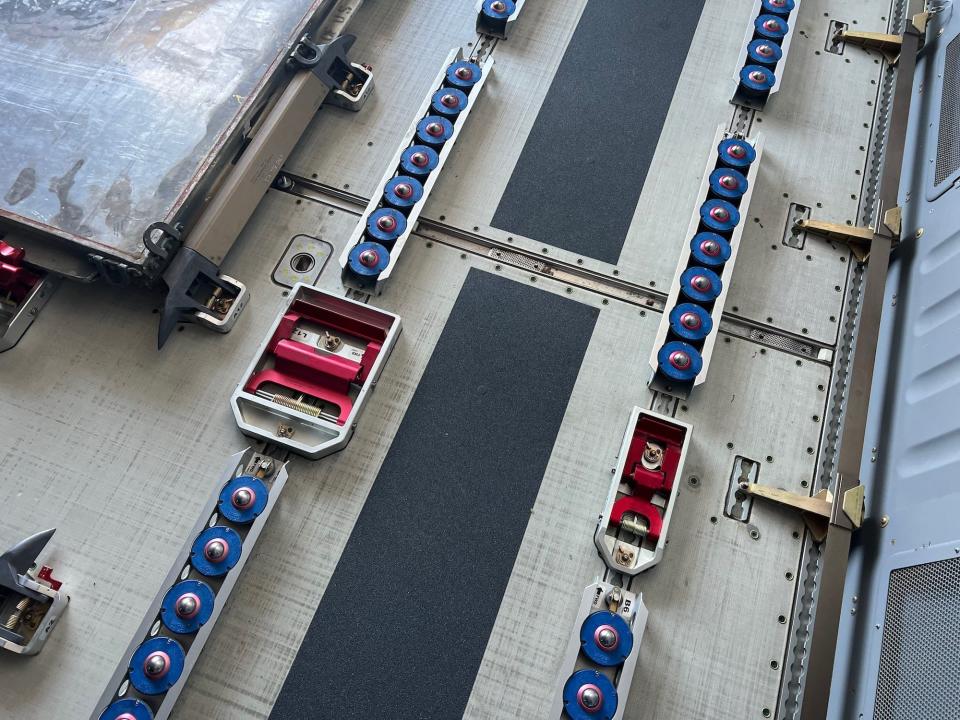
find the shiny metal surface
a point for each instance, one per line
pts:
(115, 111)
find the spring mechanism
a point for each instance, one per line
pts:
(13, 622)
(289, 402)
(635, 524)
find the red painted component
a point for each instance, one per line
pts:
(46, 574)
(670, 438)
(646, 483)
(638, 506)
(16, 281)
(311, 371)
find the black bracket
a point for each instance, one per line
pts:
(328, 62)
(195, 291)
(162, 239)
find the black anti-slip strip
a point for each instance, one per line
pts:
(578, 179)
(403, 625)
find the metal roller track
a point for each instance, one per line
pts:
(506, 254)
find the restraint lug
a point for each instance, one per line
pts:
(309, 381)
(632, 531)
(198, 293)
(23, 293)
(30, 598)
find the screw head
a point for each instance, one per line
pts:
(403, 190)
(464, 73)
(449, 101)
(419, 159)
(757, 76)
(764, 51)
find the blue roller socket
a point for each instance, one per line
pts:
(690, 322)
(728, 183)
(449, 102)
(719, 216)
(588, 695)
(778, 7)
(679, 361)
(756, 80)
(156, 665)
(419, 161)
(736, 153)
(216, 550)
(434, 130)
(403, 192)
(498, 9)
(243, 499)
(368, 259)
(700, 284)
(764, 52)
(126, 709)
(710, 249)
(385, 225)
(187, 606)
(770, 27)
(464, 74)
(606, 638)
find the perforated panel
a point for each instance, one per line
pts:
(919, 675)
(948, 142)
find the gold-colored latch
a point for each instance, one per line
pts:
(892, 219)
(886, 44)
(853, 504)
(858, 238)
(816, 510)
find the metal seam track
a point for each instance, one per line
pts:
(589, 280)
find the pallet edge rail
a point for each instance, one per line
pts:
(835, 517)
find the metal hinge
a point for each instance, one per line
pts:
(816, 510)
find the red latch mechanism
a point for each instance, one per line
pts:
(651, 469)
(16, 281)
(46, 575)
(306, 357)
